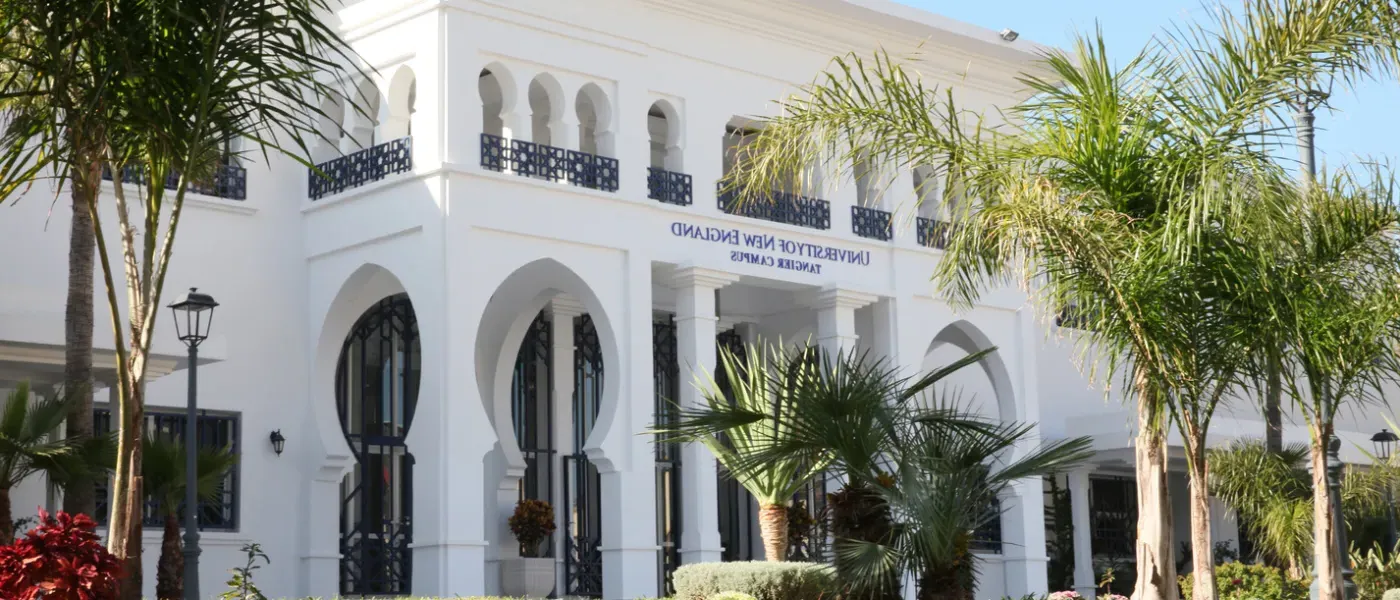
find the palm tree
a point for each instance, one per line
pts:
(47, 91)
(1330, 295)
(1104, 175)
(29, 444)
(1272, 494)
(759, 381)
(163, 467)
(173, 79)
(920, 473)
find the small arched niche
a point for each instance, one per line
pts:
(664, 135)
(403, 97)
(594, 120)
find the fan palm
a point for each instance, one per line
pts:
(163, 470)
(29, 444)
(758, 381)
(921, 468)
(1272, 494)
(1104, 177)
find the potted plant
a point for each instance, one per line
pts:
(530, 575)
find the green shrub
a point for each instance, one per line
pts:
(1239, 581)
(731, 596)
(761, 580)
(1375, 573)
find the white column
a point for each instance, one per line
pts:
(695, 336)
(836, 333)
(704, 155)
(1083, 539)
(626, 461)
(1024, 521)
(562, 311)
(836, 317)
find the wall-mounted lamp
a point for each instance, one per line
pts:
(278, 442)
(1009, 35)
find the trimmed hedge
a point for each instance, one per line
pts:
(762, 580)
(1391, 595)
(731, 596)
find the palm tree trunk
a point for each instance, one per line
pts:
(170, 569)
(1326, 562)
(1202, 548)
(7, 522)
(80, 495)
(1273, 407)
(1156, 569)
(773, 526)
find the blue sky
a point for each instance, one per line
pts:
(1362, 123)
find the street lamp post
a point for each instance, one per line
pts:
(1334, 489)
(194, 312)
(1385, 445)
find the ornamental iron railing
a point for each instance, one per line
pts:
(542, 161)
(669, 186)
(229, 182)
(872, 223)
(359, 168)
(934, 233)
(779, 207)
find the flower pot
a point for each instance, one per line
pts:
(527, 577)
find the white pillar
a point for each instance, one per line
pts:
(695, 341)
(1083, 539)
(836, 318)
(625, 459)
(1024, 520)
(562, 311)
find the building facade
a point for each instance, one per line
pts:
(520, 256)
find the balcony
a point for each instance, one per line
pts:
(540, 161)
(230, 182)
(668, 186)
(934, 233)
(359, 168)
(780, 207)
(872, 223)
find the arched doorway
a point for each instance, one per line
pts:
(377, 380)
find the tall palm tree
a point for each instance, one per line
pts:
(760, 381)
(1330, 295)
(1103, 173)
(180, 78)
(919, 463)
(48, 88)
(163, 470)
(29, 445)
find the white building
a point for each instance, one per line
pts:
(522, 249)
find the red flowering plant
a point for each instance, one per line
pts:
(532, 522)
(61, 559)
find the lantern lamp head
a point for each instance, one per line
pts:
(278, 442)
(1385, 443)
(194, 313)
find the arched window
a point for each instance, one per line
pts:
(403, 99)
(377, 380)
(364, 119)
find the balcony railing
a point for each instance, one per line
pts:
(668, 186)
(230, 182)
(872, 223)
(358, 168)
(933, 233)
(780, 207)
(541, 161)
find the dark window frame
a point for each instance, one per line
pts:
(224, 515)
